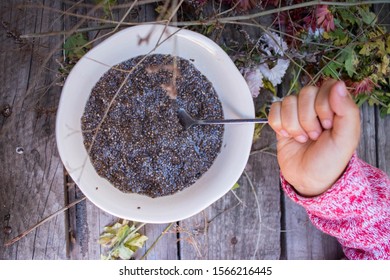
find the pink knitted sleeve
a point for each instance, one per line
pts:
(356, 210)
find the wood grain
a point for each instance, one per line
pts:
(383, 124)
(367, 145)
(31, 182)
(247, 227)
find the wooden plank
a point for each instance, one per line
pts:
(383, 143)
(31, 185)
(367, 145)
(303, 241)
(383, 124)
(247, 227)
(86, 221)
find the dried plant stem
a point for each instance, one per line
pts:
(44, 62)
(239, 199)
(353, 42)
(157, 240)
(55, 214)
(258, 212)
(264, 150)
(214, 20)
(114, 7)
(236, 19)
(115, 28)
(280, 47)
(64, 32)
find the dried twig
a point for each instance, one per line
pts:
(23, 234)
(258, 212)
(264, 150)
(157, 240)
(65, 32)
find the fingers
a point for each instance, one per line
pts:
(308, 117)
(283, 118)
(322, 105)
(296, 117)
(305, 116)
(346, 123)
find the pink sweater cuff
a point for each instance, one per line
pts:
(341, 200)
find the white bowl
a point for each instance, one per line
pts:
(230, 86)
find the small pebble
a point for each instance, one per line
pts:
(6, 111)
(7, 230)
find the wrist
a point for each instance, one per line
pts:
(309, 187)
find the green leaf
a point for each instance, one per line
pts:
(347, 15)
(136, 242)
(122, 239)
(368, 17)
(366, 49)
(75, 47)
(385, 65)
(268, 85)
(105, 239)
(124, 252)
(361, 99)
(331, 69)
(351, 61)
(338, 36)
(107, 4)
(235, 186)
(388, 43)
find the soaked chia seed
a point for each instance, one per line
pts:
(141, 147)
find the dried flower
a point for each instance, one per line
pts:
(276, 73)
(316, 33)
(364, 86)
(254, 79)
(324, 18)
(273, 44)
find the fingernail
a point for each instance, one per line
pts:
(314, 135)
(284, 133)
(341, 89)
(327, 124)
(301, 138)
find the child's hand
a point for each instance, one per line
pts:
(318, 132)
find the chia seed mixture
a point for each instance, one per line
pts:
(141, 147)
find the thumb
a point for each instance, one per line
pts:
(346, 123)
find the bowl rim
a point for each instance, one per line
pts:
(247, 135)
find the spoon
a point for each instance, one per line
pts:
(187, 121)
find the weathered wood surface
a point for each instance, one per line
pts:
(243, 225)
(31, 182)
(253, 222)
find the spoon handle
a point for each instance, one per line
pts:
(234, 121)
